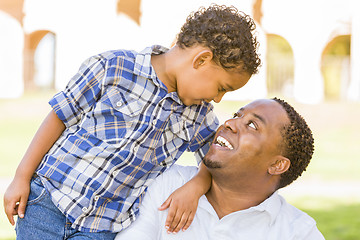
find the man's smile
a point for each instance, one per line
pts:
(222, 142)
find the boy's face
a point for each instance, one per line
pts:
(208, 82)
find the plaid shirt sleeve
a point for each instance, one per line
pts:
(81, 93)
(203, 139)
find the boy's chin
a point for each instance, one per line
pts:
(193, 102)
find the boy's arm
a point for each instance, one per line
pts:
(183, 202)
(16, 195)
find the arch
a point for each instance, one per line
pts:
(14, 8)
(39, 60)
(132, 8)
(280, 66)
(335, 67)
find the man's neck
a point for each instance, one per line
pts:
(226, 201)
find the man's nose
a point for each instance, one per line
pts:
(218, 98)
(230, 124)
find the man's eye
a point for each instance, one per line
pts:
(252, 125)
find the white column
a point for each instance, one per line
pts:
(308, 80)
(11, 57)
(354, 87)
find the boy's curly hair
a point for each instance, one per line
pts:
(227, 32)
(297, 145)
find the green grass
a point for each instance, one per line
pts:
(336, 130)
(336, 219)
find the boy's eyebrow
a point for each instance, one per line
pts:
(230, 88)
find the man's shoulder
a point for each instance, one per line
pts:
(174, 177)
(179, 173)
(296, 218)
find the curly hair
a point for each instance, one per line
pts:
(297, 145)
(227, 32)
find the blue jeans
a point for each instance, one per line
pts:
(44, 221)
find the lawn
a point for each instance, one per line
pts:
(328, 190)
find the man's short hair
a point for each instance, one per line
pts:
(227, 32)
(297, 145)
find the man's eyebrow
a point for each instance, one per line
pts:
(254, 114)
(259, 117)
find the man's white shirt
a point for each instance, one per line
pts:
(273, 219)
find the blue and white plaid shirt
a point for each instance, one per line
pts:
(123, 129)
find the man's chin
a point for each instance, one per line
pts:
(210, 164)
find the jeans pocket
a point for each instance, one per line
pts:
(37, 191)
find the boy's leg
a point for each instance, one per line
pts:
(42, 221)
(75, 235)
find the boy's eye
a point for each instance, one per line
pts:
(252, 125)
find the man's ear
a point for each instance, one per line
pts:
(201, 58)
(280, 165)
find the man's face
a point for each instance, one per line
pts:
(247, 144)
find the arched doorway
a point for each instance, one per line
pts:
(280, 66)
(39, 60)
(335, 67)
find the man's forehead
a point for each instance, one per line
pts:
(260, 105)
(264, 109)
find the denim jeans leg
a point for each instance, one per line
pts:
(42, 221)
(72, 234)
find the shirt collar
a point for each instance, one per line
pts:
(143, 65)
(144, 69)
(271, 205)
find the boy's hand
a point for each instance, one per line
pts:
(182, 205)
(15, 199)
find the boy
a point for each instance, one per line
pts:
(122, 120)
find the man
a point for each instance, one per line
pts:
(264, 147)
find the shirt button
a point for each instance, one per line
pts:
(154, 122)
(96, 197)
(84, 209)
(119, 103)
(114, 173)
(136, 148)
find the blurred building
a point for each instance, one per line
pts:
(310, 48)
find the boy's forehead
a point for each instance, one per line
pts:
(239, 80)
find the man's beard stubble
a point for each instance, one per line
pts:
(209, 163)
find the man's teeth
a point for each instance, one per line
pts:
(223, 142)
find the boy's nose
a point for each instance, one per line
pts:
(218, 98)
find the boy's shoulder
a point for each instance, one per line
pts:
(108, 55)
(126, 53)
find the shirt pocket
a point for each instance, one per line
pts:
(181, 127)
(125, 104)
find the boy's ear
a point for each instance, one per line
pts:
(280, 165)
(201, 58)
